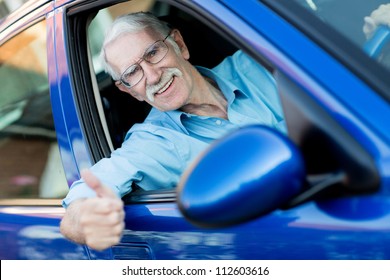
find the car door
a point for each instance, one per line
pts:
(317, 89)
(32, 178)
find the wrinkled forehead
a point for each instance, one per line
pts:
(128, 48)
(135, 37)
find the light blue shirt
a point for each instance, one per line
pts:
(155, 153)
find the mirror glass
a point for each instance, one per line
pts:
(247, 174)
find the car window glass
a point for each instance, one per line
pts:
(8, 6)
(30, 165)
(348, 18)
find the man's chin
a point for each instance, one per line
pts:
(165, 107)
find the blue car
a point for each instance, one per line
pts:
(322, 191)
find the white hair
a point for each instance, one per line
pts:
(133, 23)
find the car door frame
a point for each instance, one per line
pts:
(155, 228)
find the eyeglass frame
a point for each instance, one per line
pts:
(121, 81)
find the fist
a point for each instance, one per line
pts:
(102, 217)
(380, 16)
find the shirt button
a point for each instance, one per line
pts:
(218, 122)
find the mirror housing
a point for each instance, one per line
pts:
(244, 175)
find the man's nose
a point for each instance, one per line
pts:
(152, 73)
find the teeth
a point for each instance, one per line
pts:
(165, 87)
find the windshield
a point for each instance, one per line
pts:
(365, 23)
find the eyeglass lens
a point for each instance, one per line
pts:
(154, 54)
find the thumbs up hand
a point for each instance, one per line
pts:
(380, 16)
(98, 221)
(102, 217)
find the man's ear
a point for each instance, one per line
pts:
(180, 42)
(123, 88)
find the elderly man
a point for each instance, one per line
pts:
(192, 106)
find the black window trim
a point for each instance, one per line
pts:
(76, 22)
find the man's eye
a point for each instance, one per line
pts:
(132, 71)
(151, 53)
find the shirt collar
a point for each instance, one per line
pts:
(228, 89)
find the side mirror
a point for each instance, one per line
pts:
(248, 173)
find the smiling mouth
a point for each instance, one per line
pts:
(163, 89)
(165, 83)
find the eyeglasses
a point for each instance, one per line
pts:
(153, 55)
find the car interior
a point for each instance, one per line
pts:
(309, 126)
(109, 112)
(120, 109)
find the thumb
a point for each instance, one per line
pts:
(95, 184)
(369, 27)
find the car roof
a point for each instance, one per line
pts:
(20, 12)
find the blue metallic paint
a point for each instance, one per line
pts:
(33, 233)
(247, 174)
(328, 82)
(305, 232)
(55, 95)
(76, 150)
(349, 228)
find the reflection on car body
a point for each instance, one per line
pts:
(59, 113)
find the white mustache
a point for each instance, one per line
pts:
(165, 78)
